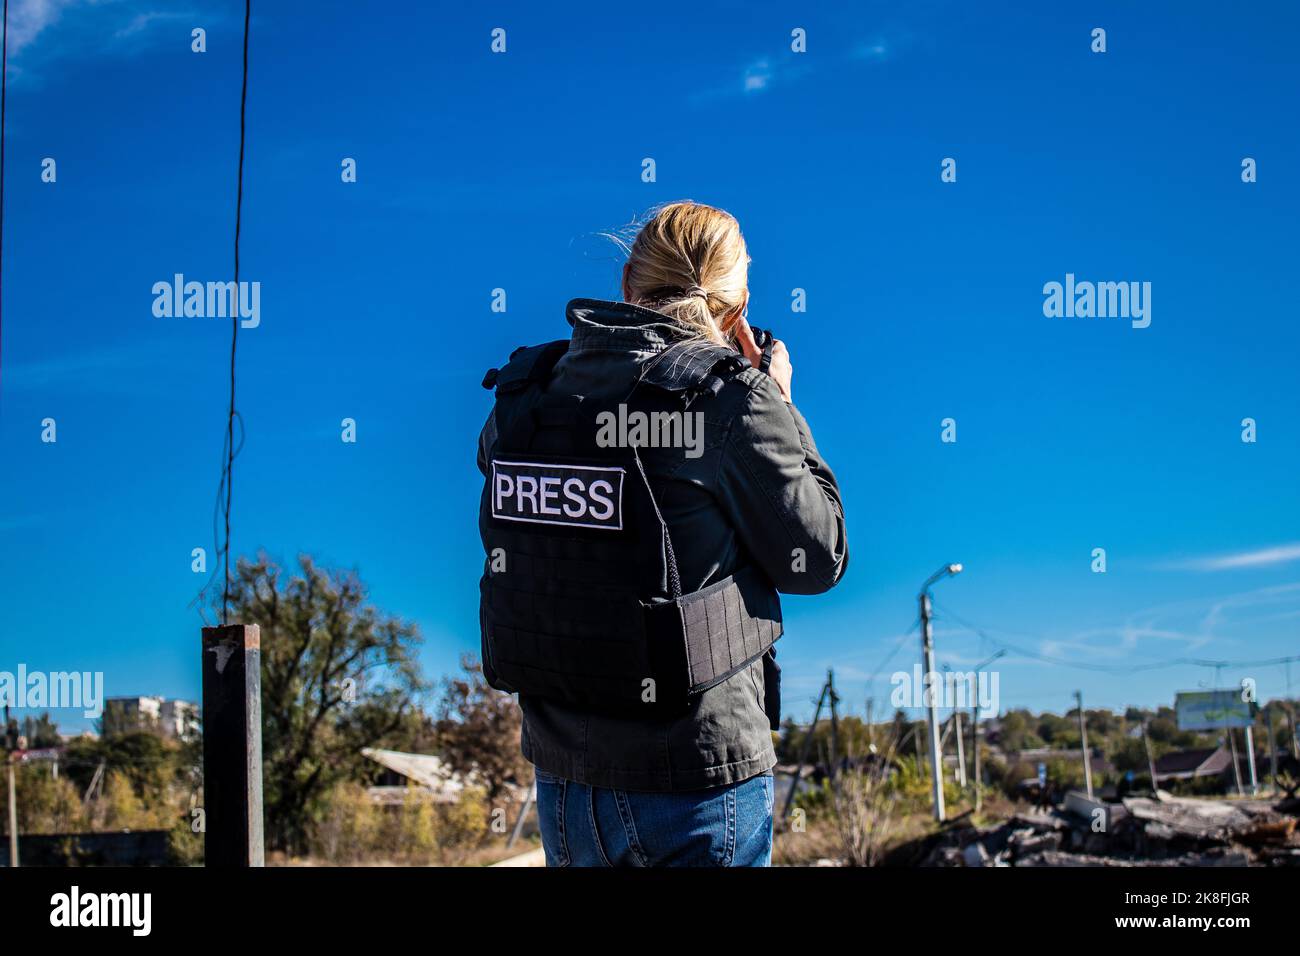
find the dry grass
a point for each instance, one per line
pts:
(485, 855)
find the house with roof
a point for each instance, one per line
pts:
(1193, 764)
(406, 774)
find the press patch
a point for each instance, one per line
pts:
(582, 496)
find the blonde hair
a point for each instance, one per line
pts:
(689, 262)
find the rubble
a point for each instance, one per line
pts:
(1186, 816)
(1277, 831)
(1055, 858)
(1137, 831)
(975, 855)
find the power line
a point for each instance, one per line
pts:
(1025, 652)
(898, 646)
(4, 91)
(228, 473)
(1114, 668)
(218, 549)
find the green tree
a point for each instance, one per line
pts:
(46, 804)
(1019, 731)
(1130, 754)
(852, 738)
(477, 730)
(338, 675)
(41, 732)
(1056, 730)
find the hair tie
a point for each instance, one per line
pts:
(696, 290)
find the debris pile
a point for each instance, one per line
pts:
(1136, 831)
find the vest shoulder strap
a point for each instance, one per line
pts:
(528, 364)
(692, 369)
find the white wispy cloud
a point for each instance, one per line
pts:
(142, 21)
(89, 368)
(878, 49)
(1259, 558)
(1190, 624)
(28, 19)
(42, 32)
(787, 67)
(757, 76)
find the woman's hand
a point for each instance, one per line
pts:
(780, 370)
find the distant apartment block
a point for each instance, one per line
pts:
(175, 719)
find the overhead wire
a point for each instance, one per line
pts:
(228, 476)
(4, 96)
(1181, 661)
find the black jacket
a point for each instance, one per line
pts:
(758, 493)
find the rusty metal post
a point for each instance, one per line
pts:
(232, 746)
(13, 814)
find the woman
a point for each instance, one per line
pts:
(674, 768)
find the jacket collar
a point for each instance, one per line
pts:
(619, 326)
(667, 357)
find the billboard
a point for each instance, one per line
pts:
(1213, 710)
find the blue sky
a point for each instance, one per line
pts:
(479, 170)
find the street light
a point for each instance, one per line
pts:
(947, 571)
(975, 727)
(927, 678)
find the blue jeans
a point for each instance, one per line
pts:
(598, 826)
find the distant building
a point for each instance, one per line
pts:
(425, 776)
(174, 719)
(407, 774)
(1206, 762)
(180, 719)
(1190, 764)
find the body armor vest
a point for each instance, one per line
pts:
(581, 601)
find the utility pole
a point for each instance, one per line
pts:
(975, 742)
(1290, 710)
(11, 748)
(961, 749)
(871, 733)
(932, 711)
(927, 683)
(975, 729)
(1236, 766)
(1295, 738)
(1151, 763)
(1151, 760)
(13, 814)
(1250, 761)
(835, 722)
(803, 753)
(523, 815)
(1083, 740)
(1232, 738)
(1272, 748)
